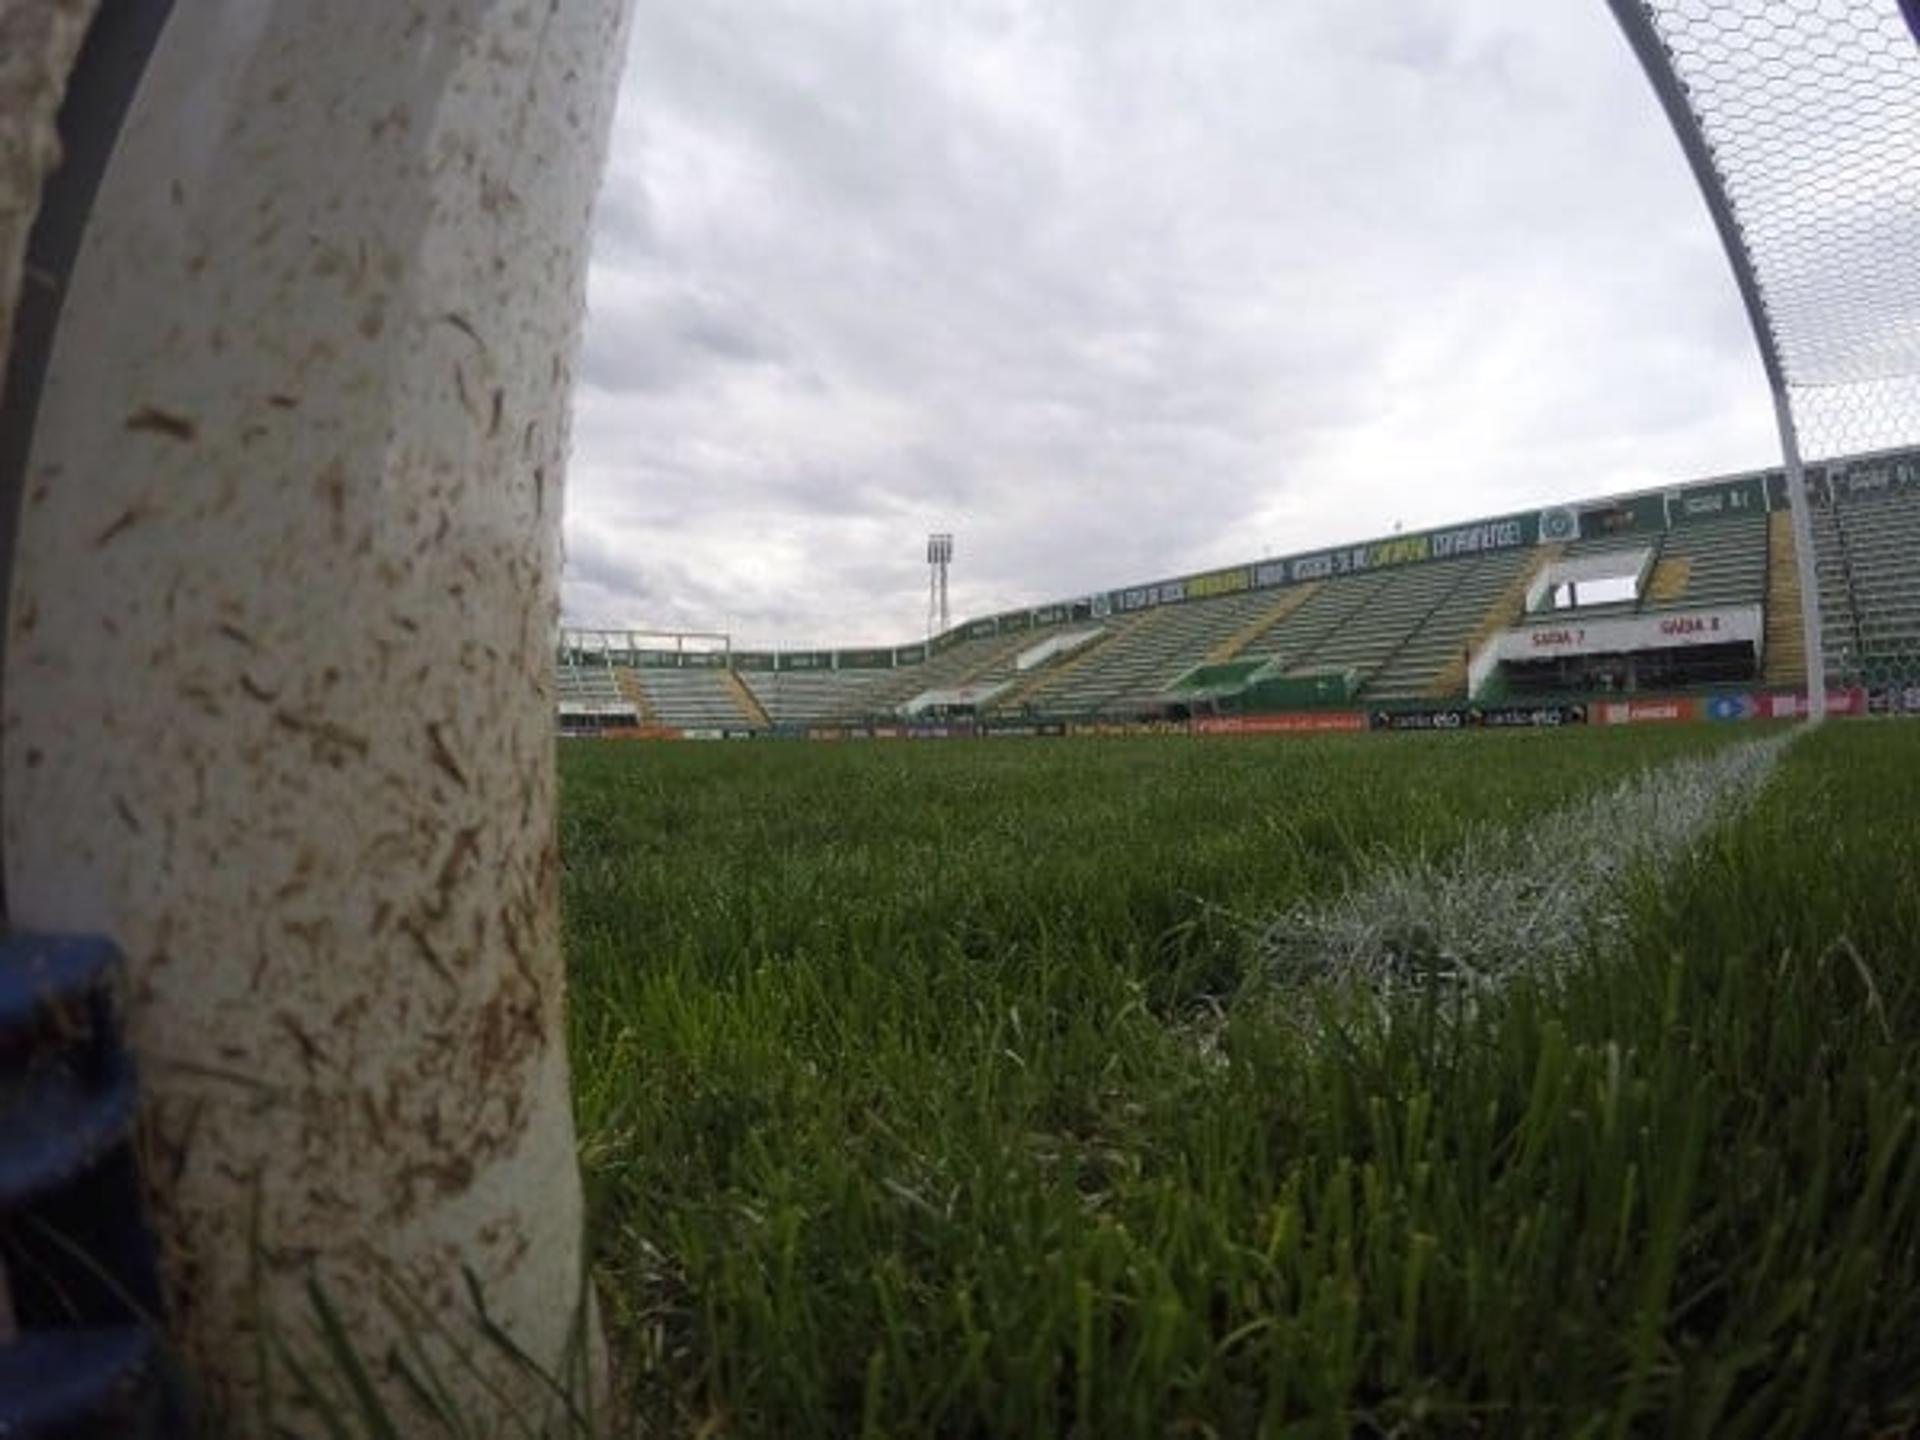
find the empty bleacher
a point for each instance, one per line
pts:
(1722, 562)
(587, 685)
(833, 697)
(1398, 629)
(964, 663)
(1785, 662)
(588, 698)
(1439, 640)
(695, 699)
(1142, 654)
(815, 697)
(1839, 610)
(1028, 690)
(1297, 639)
(1705, 564)
(1505, 607)
(1868, 549)
(1401, 633)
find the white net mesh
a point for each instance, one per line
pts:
(1810, 110)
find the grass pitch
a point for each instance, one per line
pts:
(946, 1089)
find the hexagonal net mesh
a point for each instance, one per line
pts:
(1810, 115)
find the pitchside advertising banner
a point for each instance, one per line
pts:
(1731, 707)
(1651, 710)
(1479, 717)
(1300, 722)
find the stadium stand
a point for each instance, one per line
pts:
(1143, 654)
(1396, 629)
(968, 662)
(1403, 620)
(836, 696)
(1705, 563)
(630, 687)
(1027, 692)
(587, 685)
(1438, 644)
(1718, 562)
(1839, 610)
(748, 702)
(589, 698)
(815, 697)
(1263, 620)
(1785, 662)
(1506, 608)
(1297, 638)
(698, 699)
(1868, 547)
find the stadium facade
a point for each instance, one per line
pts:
(1685, 593)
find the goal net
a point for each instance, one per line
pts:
(1801, 119)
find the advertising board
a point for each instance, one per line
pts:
(1647, 712)
(1448, 719)
(1477, 717)
(1285, 722)
(1747, 496)
(1528, 717)
(1793, 706)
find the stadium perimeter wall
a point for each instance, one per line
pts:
(1731, 706)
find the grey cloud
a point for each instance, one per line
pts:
(659, 341)
(1116, 289)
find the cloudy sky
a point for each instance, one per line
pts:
(1117, 289)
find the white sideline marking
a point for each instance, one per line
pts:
(1514, 897)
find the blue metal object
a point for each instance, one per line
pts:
(60, 1123)
(77, 1383)
(39, 974)
(79, 1261)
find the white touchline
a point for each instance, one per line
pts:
(1511, 898)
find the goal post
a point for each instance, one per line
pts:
(278, 672)
(1801, 123)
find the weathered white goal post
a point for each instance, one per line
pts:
(277, 670)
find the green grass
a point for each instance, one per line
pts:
(897, 1118)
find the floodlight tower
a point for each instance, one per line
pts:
(939, 556)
